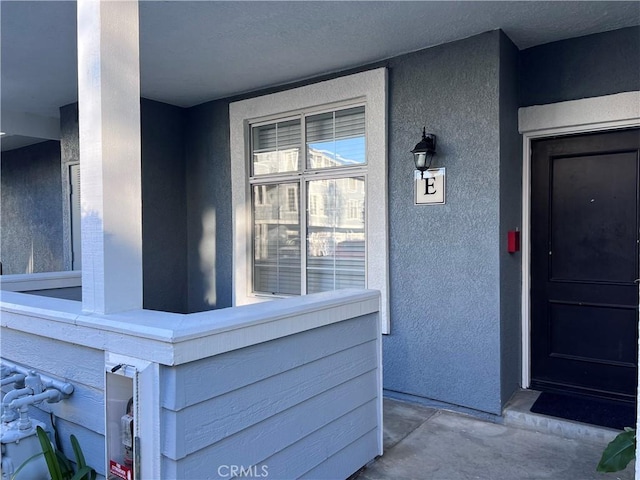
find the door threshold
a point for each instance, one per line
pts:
(517, 414)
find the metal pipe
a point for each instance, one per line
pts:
(13, 394)
(24, 422)
(15, 378)
(51, 396)
(5, 371)
(47, 381)
(9, 414)
(63, 387)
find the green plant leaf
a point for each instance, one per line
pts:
(60, 468)
(77, 451)
(620, 451)
(24, 464)
(65, 465)
(49, 455)
(85, 473)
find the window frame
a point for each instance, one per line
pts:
(368, 88)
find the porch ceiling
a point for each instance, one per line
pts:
(195, 51)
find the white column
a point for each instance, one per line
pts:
(109, 113)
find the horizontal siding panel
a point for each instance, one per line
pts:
(210, 421)
(170, 468)
(92, 443)
(183, 386)
(258, 442)
(82, 413)
(348, 460)
(85, 406)
(67, 361)
(324, 443)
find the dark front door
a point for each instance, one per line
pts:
(584, 264)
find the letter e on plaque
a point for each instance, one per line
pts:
(430, 190)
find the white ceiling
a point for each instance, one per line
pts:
(192, 52)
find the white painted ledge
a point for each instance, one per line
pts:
(40, 281)
(587, 114)
(173, 339)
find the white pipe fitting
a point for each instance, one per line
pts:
(47, 382)
(15, 378)
(51, 396)
(17, 393)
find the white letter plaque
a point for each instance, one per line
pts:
(430, 190)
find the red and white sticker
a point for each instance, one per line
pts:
(120, 471)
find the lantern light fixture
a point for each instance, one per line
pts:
(424, 151)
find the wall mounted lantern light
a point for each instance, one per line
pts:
(424, 151)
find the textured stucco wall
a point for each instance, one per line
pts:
(445, 269)
(455, 292)
(31, 209)
(444, 259)
(70, 152)
(581, 67)
(164, 225)
(69, 133)
(209, 214)
(510, 219)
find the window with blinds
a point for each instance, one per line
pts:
(320, 198)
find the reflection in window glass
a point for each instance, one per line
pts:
(332, 208)
(336, 139)
(276, 250)
(335, 234)
(292, 199)
(276, 147)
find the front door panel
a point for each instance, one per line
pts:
(584, 254)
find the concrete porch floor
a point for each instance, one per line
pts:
(426, 443)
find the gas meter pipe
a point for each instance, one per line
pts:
(47, 382)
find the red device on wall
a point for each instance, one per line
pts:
(513, 241)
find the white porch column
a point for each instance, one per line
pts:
(109, 113)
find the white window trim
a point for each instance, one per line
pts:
(594, 114)
(369, 87)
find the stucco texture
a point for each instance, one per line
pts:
(164, 225)
(445, 271)
(454, 290)
(510, 219)
(209, 218)
(444, 259)
(70, 153)
(581, 67)
(31, 209)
